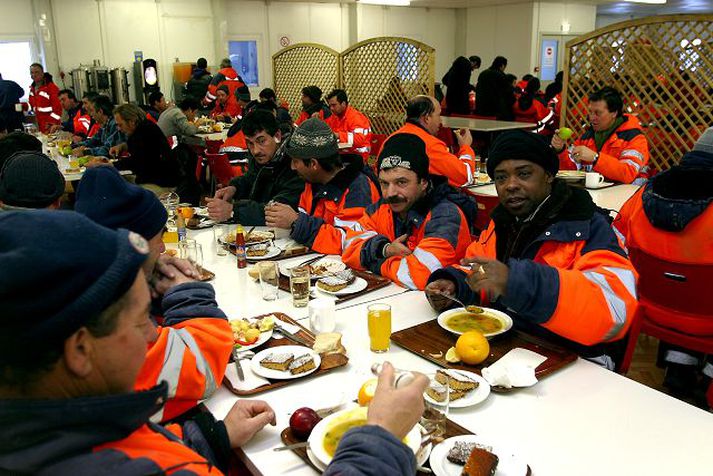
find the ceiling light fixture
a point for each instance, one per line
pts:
(655, 2)
(391, 3)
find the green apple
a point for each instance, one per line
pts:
(565, 133)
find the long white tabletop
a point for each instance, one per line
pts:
(581, 420)
(483, 125)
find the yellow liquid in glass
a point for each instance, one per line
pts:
(379, 330)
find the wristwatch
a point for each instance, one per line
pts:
(596, 158)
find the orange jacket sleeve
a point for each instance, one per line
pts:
(458, 169)
(626, 167)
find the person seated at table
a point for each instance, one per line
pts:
(88, 108)
(268, 178)
(226, 105)
(336, 190)
(417, 227)
(226, 76)
(351, 126)
(549, 256)
(234, 145)
(109, 134)
(15, 142)
(30, 180)
(312, 105)
(671, 218)
(613, 145)
(78, 120)
(423, 119)
(149, 154)
(72, 348)
(283, 114)
(177, 121)
(195, 339)
(528, 108)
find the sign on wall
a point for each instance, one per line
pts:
(285, 41)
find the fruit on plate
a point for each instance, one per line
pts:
(472, 347)
(452, 356)
(303, 421)
(565, 133)
(366, 392)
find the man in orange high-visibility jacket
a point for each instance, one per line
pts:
(336, 190)
(416, 228)
(423, 119)
(614, 145)
(226, 76)
(44, 98)
(195, 340)
(671, 218)
(351, 126)
(312, 105)
(549, 257)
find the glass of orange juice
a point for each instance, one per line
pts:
(379, 316)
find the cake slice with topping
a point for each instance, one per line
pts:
(302, 364)
(275, 361)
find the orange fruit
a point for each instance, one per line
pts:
(472, 347)
(366, 392)
(186, 212)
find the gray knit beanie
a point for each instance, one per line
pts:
(705, 142)
(313, 139)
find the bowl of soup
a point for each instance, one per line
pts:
(489, 322)
(326, 435)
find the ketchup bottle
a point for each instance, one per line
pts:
(240, 247)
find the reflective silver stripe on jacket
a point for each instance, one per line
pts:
(617, 306)
(404, 274)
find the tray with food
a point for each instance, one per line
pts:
(265, 251)
(255, 237)
(284, 360)
(434, 342)
(343, 287)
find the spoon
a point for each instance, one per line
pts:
(469, 308)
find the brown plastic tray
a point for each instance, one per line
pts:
(329, 362)
(428, 339)
(373, 282)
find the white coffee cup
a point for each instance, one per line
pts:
(593, 179)
(322, 315)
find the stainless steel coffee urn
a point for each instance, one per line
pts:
(120, 85)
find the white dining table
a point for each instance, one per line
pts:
(580, 420)
(483, 125)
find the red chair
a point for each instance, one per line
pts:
(674, 304)
(213, 146)
(220, 169)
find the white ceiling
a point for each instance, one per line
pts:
(464, 3)
(605, 6)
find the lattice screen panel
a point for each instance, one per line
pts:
(300, 65)
(663, 66)
(381, 74)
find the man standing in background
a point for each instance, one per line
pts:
(44, 98)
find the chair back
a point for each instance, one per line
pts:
(213, 146)
(220, 168)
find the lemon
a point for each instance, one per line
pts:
(472, 347)
(452, 356)
(366, 392)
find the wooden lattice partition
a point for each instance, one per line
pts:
(300, 65)
(378, 74)
(663, 66)
(381, 74)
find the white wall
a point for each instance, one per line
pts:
(16, 19)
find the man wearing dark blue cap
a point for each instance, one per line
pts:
(30, 180)
(74, 329)
(549, 256)
(195, 340)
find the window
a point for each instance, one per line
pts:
(407, 66)
(243, 56)
(15, 61)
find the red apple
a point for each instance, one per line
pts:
(302, 421)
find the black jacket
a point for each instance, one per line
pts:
(493, 95)
(151, 158)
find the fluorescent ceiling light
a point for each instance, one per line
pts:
(392, 3)
(657, 2)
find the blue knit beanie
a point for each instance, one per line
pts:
(105, 197)
(58, 269)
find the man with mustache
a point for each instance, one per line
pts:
(549, 257)
(417, 227)
(269, 176)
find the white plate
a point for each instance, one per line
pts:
(266, 237)
(479, 394)
(316, 438)
(264, 337)
(573, 175)
(296, 350)
(271, 253)
(601, 185)
(509, 463)
(359, 284)
(501, 316)
(335, 265)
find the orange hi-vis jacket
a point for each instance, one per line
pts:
(458, 169)
(438, 236)
(537, 113)
(192, 349)
(230, 108)
(327, 212)
(81, 123)
(324, 114)
(227, 76)
(354, 129)
(45, 102)
(571, 278)
(623, 156)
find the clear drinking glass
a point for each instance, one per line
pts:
(269, 279)
(191, 251)
(170, 201)
(299, 286)
(379, 321)
(436, 401)
(220, 231)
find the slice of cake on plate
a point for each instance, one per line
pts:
(302, 364)
(277, 361)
